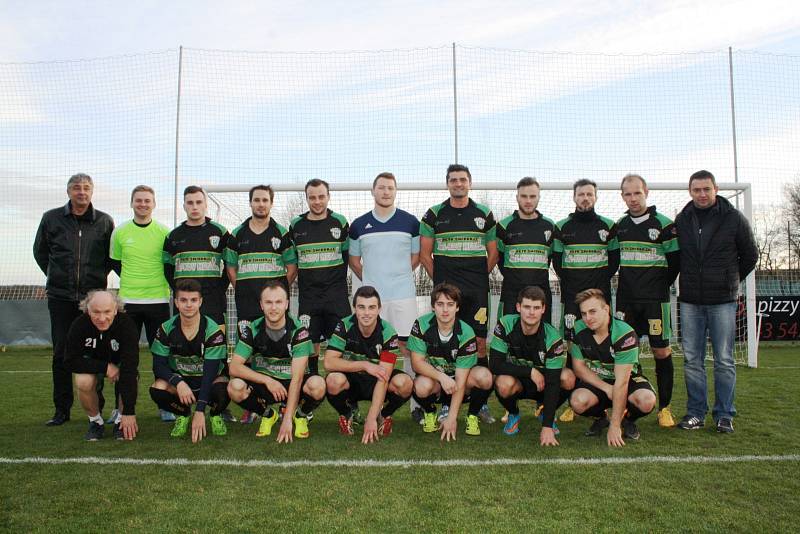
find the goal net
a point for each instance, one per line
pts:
(228, 204)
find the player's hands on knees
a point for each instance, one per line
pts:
(185, 394)
(377, 371)
(538, 379)
(448, 384)
(198, 427)
(449, 427)
(614, 436)
(112, 372)
(129, 427)
(285, 431)
(547, 438)
(370, 430)
(276, 389)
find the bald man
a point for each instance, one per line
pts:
(103, 343)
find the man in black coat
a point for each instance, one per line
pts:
(717, 251)
(71, 249)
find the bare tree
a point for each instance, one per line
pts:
(791, 211)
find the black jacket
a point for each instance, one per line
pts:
(73, 251)
(714, 260)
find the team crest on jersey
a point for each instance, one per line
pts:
(214, 240)
(603, 235)
(378, 348)
(480, 222)
(653, 233)
(620, 315)
(547, 234)
(305, 320)
(336, 233)
(569, 320)
(454, 353)
(276, 243)
(114, 345)
(541, 355)
(243, 327)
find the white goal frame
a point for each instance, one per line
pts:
(743, 190)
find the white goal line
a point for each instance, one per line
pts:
(222, 462)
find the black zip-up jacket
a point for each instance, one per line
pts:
(73, 251)
(717, 256)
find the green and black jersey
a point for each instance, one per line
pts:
(459, 351)
(271, 352)
(196, 252)
(185, 357)
(620, 347)
(515, 354)
(257, 258)
(459, 238)
(649, 257)
(381, 346)
(321, 247)
(524, 247)
(585, 253)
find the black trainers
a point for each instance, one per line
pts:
(630, 430)
(118, 434)
(690, 422)
(95, 432)
(58, 419)
(597, 427)
(725, 425)
(418, 415)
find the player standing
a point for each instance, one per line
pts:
(194, 251)
(384, 253)
(649, 263)
(320, 238)
(524, 247)
(136, 247)
(585, 253)
(457, 245)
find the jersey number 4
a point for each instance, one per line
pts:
(480, 316)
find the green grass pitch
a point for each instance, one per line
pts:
(670, 480)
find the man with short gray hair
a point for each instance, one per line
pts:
(103, 342)
(71, 249)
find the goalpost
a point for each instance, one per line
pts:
(228, 204)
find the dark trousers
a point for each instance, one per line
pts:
(62, 314)
(151, 316)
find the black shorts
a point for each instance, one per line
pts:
(261, 391)
(322, 316)
(474, 310)
(363, 384)
(508, 301)
(634, 384)
(651, 319)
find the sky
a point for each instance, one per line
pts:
(56, 30)
(286, 117)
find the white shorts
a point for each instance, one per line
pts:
(401, 314)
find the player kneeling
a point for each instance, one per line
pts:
(360, 362)
(528, 358)
(605, 357)
(104, 343)
(270, 365)
(444, 354)
(188, 358)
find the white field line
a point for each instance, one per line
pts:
(221, 462)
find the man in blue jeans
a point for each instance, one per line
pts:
(718, 250)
